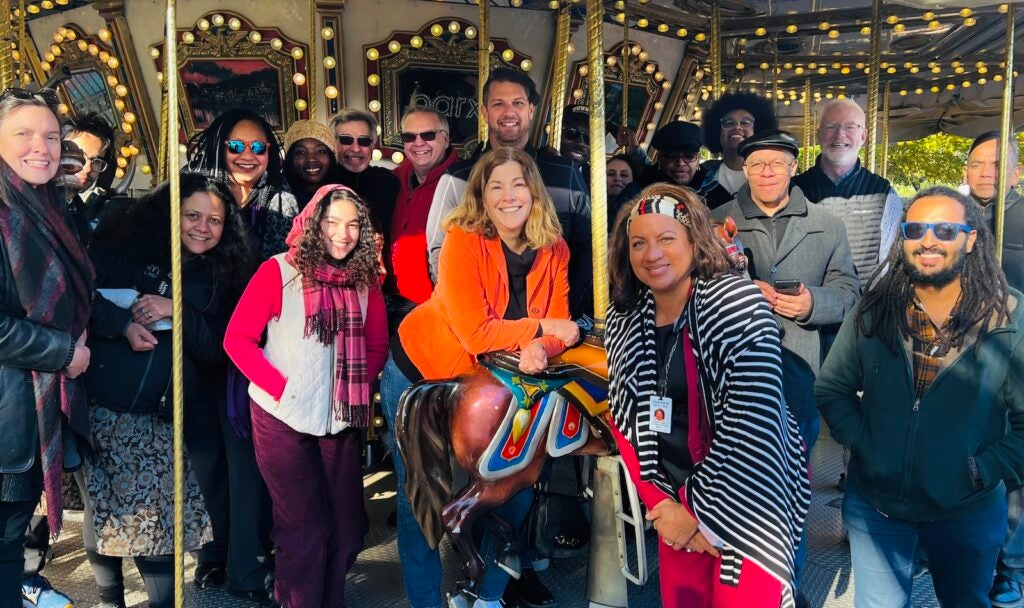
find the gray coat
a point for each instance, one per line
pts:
(813, 250)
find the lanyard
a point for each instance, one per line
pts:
(663, 374)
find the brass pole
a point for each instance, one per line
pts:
(311, 66)
(716, 52)
(484, 69)
(626, 52)
(22, 43)
(873, 74)
(808, 159)
(1005, 133)
(884, 165)
(560, 77)
(598, 184)
(776, 75)
(161, 159)
(7, 75)
(173, 162)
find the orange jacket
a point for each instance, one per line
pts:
(463, 317)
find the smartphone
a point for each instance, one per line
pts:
(789, 287)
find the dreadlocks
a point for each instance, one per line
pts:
(985, 292)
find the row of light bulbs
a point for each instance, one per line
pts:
(45, 5)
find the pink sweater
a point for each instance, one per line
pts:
(261, 302)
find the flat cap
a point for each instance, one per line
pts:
(773, 138)
(678, 136)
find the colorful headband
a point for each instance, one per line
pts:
(664, 205)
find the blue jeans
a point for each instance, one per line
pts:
(1011, 556)
(421, 565)
(809, 431)
(961, 554)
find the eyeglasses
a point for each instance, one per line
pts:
(364, 141)
(777, 166)
(574, 134)
(689, 157)
(732, 123)
(849, 127)
(407, 138)
(97, 164)
(943, 231)
(47, 96)
(237, 146)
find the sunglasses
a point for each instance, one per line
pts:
(943, 231)
(408, 138)
(237, 146)
(47, 96)
(574, 134)
(364, 141)
(732, 123)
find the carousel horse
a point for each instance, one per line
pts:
(501, 426)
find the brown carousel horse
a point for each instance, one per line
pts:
(501, 426)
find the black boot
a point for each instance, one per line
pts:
(528, 592)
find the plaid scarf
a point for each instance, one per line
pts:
(930, 345)
(54, 280)
(334, 316)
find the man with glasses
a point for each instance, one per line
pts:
(866, 202)
(355, 134)
(981, 176)
(798, 255)
(86, 141)
(925, 385)
(428, 155)
(730, 120)
(510, 101)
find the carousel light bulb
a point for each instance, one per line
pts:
(824, 25)
(376, 155)
(32, 8)
(764, 65)
(454, 27)
(635, 49)
(146, 169)
(950, 86)
(516, 3)
(397, 158)
(928, 16)
(471, 32)
(327, 33)
(658, 76)
(577, 94)
(436, 30)
(760, 31)
(299, 79)
(122, 162)
(833, 34)
(663, 27)
(372, 54)
(234, 23)
(255, 37)
(56, 50)
(643, 56)
(798, 70)
(740, 65)
(681, 32)
(865, 31)
(153, 52)
(508, 54)
(217, 20)
(899, 28)
(822, 70)
(525, 65)
(918, 91)
(998, 78)
(45, 65)
(84, 46)
(50, 57)
(934, 25)
(301, 105)
(892, 19)
(297, 53)
(373, 80)
(666, 85)
(650, 68)
(970, 22)
(959, 69)
(641, 22)
(130, 118)
(71, 35)
(276, 43)
(659, 105)
(331, 92)
(121, 90)
(584, 70)
(844, 70)
(119, 103)
(982, 81)
(791, 28)
(394, 46)
(611, 60)
(127, 128)
(700, 37)
(203, 24)
(374, 106)
(1004, 8)
(891, 69)
(119, 173)
(787, 66)
(104, 56)
(113, 63)
(983, 70)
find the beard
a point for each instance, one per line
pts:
(943, 276)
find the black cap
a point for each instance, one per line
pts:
(678, 136)
(772, 138)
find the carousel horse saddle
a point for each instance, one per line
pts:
(538, 403)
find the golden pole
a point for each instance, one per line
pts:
(7, 75)
(22, 44)
(312, 67)
(484, 69)
(716, 52)
(884, 168)
(161, 159)
(173, 162)
(626, 52)
(1005, 133)
(598, 184)
(808, 160)
(560, 78)
(873, 74)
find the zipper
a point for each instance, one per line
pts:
(330, 395)
(911, 440)
(142, 382)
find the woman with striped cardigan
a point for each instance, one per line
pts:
(696, 396)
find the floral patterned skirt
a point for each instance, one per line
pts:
(130, 479)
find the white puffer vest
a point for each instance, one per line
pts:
(307, 364)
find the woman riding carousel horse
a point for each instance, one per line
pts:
(695, 390)
(502, 285)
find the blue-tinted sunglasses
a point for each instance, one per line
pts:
(943, 231)
(237, 146)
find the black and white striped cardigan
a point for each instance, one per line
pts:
(752, 489)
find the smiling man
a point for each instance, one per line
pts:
(729, 121)
(355, 135)
(866, 202)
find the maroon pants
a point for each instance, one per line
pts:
(319, 517)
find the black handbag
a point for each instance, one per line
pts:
(558, 525)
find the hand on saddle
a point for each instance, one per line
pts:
(533, 359)
(565, 330)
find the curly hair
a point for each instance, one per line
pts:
(709, 257)
(542, 228)
(759, 107)
(361, 263)
(142, 233)
(985, 294)
(207, 154)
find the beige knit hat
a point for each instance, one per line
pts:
(303, 129)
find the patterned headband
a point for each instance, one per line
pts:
(664, 205)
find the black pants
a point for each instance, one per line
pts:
(157, 574)
(14, 518)
(37, 544)
(240, 508)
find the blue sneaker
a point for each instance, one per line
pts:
(37, 591)
(1005, 593)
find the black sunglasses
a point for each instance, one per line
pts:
(364, 141)
(574, 134)
(237, 146)
(408, 138)
(47, 96)
(943, 231)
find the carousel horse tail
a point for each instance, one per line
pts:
(422, 436)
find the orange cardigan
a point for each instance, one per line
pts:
(463, 317)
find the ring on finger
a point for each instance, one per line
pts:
(669, 543)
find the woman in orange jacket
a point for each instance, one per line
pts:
(502, 285)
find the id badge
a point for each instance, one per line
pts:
(661, 414)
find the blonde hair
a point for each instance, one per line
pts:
(542, 228)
